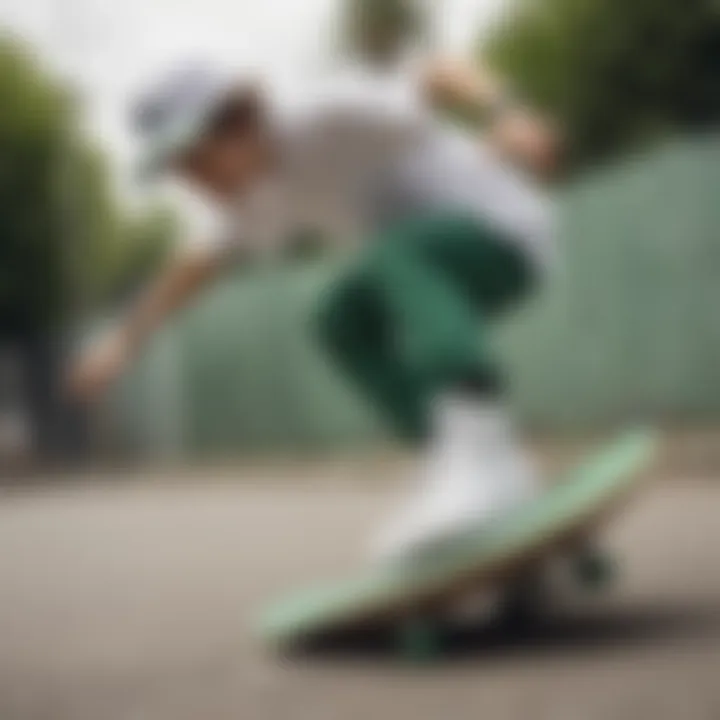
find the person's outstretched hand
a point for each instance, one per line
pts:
(98, 366)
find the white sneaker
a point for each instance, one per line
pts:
(473, 470)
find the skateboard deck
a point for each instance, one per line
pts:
(490, 557)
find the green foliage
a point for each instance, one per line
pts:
(617, 73)
(376, 30)
(65, 245)
(145, 242)
(107, 252)
(34, 126)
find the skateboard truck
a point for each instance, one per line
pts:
(508, 556)
(593, 568)
(419, 638)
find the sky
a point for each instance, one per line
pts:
(110, 47)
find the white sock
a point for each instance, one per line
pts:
(476, 442)
(473, 470)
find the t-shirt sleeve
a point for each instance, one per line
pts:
(203, 227)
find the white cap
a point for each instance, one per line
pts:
(174, 111)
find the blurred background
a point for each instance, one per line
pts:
(635, 85)
(138, 537)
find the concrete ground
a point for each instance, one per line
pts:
(133, 601)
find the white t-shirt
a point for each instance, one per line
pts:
(362, 152)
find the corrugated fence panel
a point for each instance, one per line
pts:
(630, 328)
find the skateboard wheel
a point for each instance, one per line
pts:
(419, 640)
(595, 570)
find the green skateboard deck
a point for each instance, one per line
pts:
(488, 558)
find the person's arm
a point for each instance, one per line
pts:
(105, 359)
(515, 130)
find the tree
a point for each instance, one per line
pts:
(146, 239)
(65, 244)
(108, 250)
(34, 127)
(66, 247)
(616, 73)
(378, 30)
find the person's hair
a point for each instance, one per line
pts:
(241, 112)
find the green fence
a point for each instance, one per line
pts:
(630, 328)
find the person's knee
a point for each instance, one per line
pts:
(326, 324)
(334, 324)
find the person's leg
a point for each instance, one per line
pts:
(409, 321)
(409, 326)
(444, 280)
(354, 326)
(496, 274)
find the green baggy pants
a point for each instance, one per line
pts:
(410, 318)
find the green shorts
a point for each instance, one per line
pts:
(409, 319)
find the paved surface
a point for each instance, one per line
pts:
(132, 602)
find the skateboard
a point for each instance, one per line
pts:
(506, 557)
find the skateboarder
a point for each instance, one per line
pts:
(449, 232)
